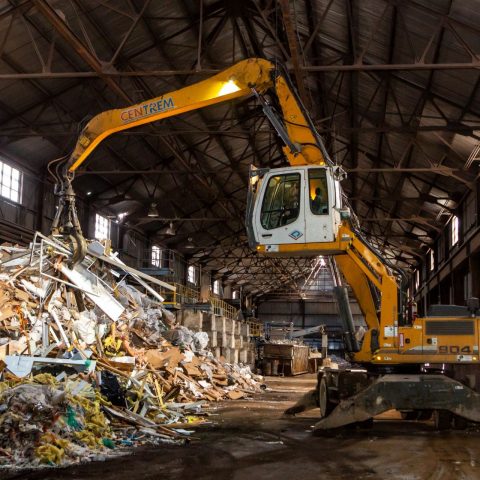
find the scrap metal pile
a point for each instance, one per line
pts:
(91, 363)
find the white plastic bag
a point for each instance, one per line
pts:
(85, 326)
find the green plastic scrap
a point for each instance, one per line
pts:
(72, 420)
(107, 442)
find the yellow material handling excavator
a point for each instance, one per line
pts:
(419, 366)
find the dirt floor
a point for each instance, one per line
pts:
(252, 440)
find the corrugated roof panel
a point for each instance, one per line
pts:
(172, 43)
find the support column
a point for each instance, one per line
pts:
(40, 202)
(227, 291)
(205, 288)
(474, 267)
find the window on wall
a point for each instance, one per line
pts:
(417, 279)
(432, 259)
(102, 227)
(454, 230)
(192, 274)
(216, 287)
(235, 295)
(10, 182)
(156, 258)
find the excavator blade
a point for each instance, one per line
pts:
(404, 392)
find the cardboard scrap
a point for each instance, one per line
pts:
(235, 394)
(169, 358)
(191, 370)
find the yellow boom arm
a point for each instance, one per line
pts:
(360, 266)
(248, 77)
(240, 80)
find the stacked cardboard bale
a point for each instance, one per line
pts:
(229, 339)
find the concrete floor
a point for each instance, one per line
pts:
(251, 440)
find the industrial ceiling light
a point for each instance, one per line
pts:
(169, 230)
(189, 245)
(152, 211)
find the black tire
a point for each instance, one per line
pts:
(326, 405)
(366, 424)
(409, 415)
(459, 423)
(425, 415)
(442, 419)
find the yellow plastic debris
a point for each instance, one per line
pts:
(88, 438)
(51, 449)
(192, 418)
(49, 454)
(95, 420)
(45, 379)
(112, 345)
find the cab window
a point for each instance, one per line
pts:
(281, 204)
(318, 191)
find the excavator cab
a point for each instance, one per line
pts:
(293, 206)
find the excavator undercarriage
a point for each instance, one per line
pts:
(421, 393)
(353, 396)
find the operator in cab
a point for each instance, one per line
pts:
(319, 203)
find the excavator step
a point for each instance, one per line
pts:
(404, 392)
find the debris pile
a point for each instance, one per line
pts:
(51, 421)
(91, 361)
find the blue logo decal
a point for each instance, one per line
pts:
(296, 234)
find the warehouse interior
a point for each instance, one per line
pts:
(390, 90)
